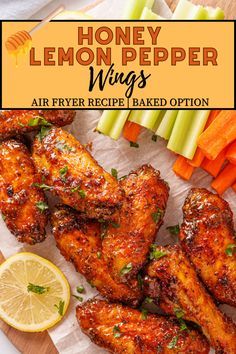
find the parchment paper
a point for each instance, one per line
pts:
(67, 335)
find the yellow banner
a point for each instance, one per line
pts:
(118, 64)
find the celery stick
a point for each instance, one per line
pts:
(186, 10)
(180, 130)
(112, 122)
(146, 118)
(134, 8)
(165, 128)
(214, 14)
(197, 125)
(148, 14)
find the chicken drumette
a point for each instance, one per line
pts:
(207, 236)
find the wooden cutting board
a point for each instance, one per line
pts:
(31, 343)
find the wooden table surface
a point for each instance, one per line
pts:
(30, 343)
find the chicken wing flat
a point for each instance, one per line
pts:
(123, 330)
(75, 176)
(182, 293)
(23, 205)
(126, 246)
(80, 242)
(207, 235)
(17, 122)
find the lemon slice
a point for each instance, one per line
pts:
(34, 293)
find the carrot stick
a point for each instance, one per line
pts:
(225, 179)
(213, 167)
(131, 131)
(234, 187)
(199, 156)
(197, 159)
(219, 134)
(182, 168)
(231, 153)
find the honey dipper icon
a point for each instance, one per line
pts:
(21, 41)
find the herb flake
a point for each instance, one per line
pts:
(173, 230)
(42, 206)
(42, 186)
(114, 173)
(80, 289)
(157, 215)
(60, 307)
(63, 172)
(79, 298)
(144, 313)
(230, 249)
(116, 331)
(173, 342)
(126, 269)
(155, 253)
(37, 289)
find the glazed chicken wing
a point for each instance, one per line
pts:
(80, 242)
(23, 205)
(207, 236)
(122, 330)
(180, 291)
(126, 246)
(75, 176)
(17, 122)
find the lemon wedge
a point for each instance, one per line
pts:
(34, 293)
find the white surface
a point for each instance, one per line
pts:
(6, 346)
(67, 336)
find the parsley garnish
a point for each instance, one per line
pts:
(140, 282)
(3, 217)
(144, 313)
(115, 225)
(179, 313)
(148, 300)
(35, 121)
(230, 249)
(132, 144)
(42, 206)
(173, 342)
(60, 307)
(126, 269)
(103, 230)
(116, 331)
(114, 173)
(43, 132)
(99, 254)
(80, 191)
(156, 216)
(42, 186)
(155, 253)
(78, 298)
(63, 172)
(63, 146)
(173, 230)
(37, 289)
(80, 289)
(154, 137)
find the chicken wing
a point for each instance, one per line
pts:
(126, 246)
(75, 176)
(207, 236)
(182, 293)
(79, 241)
(17, 122)
(23, 205)
(122, 330)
